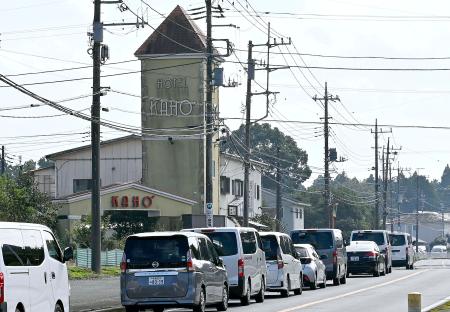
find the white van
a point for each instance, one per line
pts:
(402, 250)
(240, 248)
(33, 274)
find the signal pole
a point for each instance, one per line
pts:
(327, 198)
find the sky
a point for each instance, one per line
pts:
(43, 35)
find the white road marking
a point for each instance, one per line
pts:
(351, 293)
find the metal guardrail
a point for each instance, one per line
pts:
(108, 257)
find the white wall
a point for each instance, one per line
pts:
(120, 162)
(45, 180)
(234, 169)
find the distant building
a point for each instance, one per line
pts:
(293, 214)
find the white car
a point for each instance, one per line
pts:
(33, 273)
(438, 251)
(241, 250)
(403, 253)
(284, 270)
(313, 268)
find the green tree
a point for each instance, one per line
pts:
(21, 201)
(44, 162)
(265, 141)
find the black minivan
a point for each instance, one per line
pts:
(329, 244)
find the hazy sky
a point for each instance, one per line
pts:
(413, 29)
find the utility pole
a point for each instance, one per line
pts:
(417, 210)
(3, 164)
(209, 70)
(95, 140)
(385, 180)
(398, 197)
(248, 100)
(391, 214)
(279, 201)
(327, 198)
(251, 76)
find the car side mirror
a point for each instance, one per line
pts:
(68, 254)
(323, 257)
(346, 243)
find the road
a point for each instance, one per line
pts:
(361, 293)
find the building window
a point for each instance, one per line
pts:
(81, 185)
(257, 192)
(224, 185)
(237, 188)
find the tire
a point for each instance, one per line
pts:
(324, 283)
(245, 300)
(344, 278)
(377, 271)
(260, 296)
(158, 309)
(313, 286)
(200, 307)
(390, 269)
(411, 267)
(383, 273)
(131, 309)
(299, 290)
(337, 280)
(223, 306)
(58, 308)
(18, 310)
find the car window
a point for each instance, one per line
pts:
(377, 237)
(12, 247)
(212, 252)
(270, 246)
(248, 242)
(339, 242)
(156, 252)
(319, 240)
(204, 251)
(33, 247)
(193, 245)
(397, 240)
(258, 240)
(303, 252)
(285, 245)
(52, 246)
(224, 242)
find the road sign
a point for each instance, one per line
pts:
(209, 215)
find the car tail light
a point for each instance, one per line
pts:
(190, 262)
(241, 267)
(123, 264)
(280, 261)
(2, 288)
(306, 277)
(371, 255)
(334, 256)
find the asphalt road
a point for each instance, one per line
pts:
(361, 293)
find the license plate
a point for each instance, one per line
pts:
(354, 258)
(155, 281)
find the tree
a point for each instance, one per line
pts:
(45, 163)
(265, 141)
(21, 201)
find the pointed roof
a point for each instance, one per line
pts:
(177, 34)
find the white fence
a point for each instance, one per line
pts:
(108, 257)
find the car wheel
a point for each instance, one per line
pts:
(245, 300)
(376, 273)
(158, 309)
(390, 269)
(223, 305)
(58, 308)
(383, 273)
(132, 309)
(411, 267)
(260, 296)
(336, 280)
(344, 278)
(299, 290)
(200, 307)
(324, 282)
(313, 285)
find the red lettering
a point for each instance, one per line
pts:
(147, 201)
(135, 200)
(114, 201)
(124, 201)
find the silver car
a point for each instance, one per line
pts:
(314, 270)
(172, 269)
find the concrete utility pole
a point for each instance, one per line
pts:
(250, 77)
(385, 180)
(417, 210)
(398, 197)
(279, 211)
(209, 108)
(3, 167)
(95, 140)
(327, 198)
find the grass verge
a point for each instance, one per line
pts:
(442, 308)
(83, 273)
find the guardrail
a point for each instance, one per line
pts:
(108, 257)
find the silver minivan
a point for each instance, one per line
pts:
(284, 269)
(172, 269)
(329, 244)
(243, 256)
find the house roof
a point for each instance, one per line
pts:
(239, 158)
(85, 147)
(177, 34)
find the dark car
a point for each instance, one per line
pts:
(365, 257)
(172, 269)
(381, 238)
(330, 246)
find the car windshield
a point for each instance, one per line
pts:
(224, 242)
(302, 252)
(376, 237)
(156, 252)
(397, 240)
(270, 246)
(319, 240)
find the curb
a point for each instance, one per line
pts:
(435, 305)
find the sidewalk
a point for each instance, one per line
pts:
(87, 295)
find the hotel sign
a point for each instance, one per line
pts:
(162, 107)
(132, 201)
